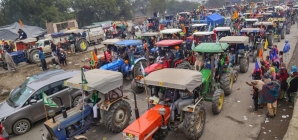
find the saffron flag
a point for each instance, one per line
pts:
(266, 44)
(21, 23)
(261, 54)
(48, 101)
(235, 15)
(94, 58)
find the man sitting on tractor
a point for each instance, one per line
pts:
(223, 63)
(178, 56)
(185, 99)
(105, 59)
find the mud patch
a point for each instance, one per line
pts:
(235, 120)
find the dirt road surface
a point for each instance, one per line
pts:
(237, 121)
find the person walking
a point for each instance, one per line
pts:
(71, 41)
(292, 87)
(42, 59)
(11, 66)
(133, 32)
(286, 51)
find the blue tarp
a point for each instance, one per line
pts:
(215, 19)
(128, 43)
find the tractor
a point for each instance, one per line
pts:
(169, 21)
(155, 123)
(223, 31)
(130, 55)
(162, 62)
(199, 27)
(73, 123)
(281, 27)
(256, 42)
(268, 28)
(153, 24)
(241, 57)
(250, 21)
(185, 18)
(169, 33)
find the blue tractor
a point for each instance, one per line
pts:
(130, 56)
(168, 21)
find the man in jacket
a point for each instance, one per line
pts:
(42, 59)
(286, 51)
(22, 34)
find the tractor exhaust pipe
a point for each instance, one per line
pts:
(162, 112)
(136, 106)
(63, 109)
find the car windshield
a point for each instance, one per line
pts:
(19, 97)
(28, 81)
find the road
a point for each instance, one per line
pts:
(235, 122)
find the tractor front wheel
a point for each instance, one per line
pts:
(118, 116)
(136, 88)
(226, 82)
(82, 45)
(194, 122)
(183, 65)
(34, 57)
(218, 101)
(244, 64)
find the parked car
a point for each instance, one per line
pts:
(25, 107)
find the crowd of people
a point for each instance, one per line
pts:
(272, 81)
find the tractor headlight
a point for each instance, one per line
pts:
(129, 136)
(162, 111)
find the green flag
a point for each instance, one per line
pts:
(48, 101)
(84, 80)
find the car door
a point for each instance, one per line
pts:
(60, 90)
(37, 110)
(47, 46)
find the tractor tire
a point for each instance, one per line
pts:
(270, 40)
(118, 116)
(192, 120)
(137, 68)
(244, 64)
(82, 45)
(49, 137)
(183, 65)
(283, 34)
(254, 56)
(34, 57)
(218, 101)
(235, 76)
(64, 46)
(136, 88)
(226, 82)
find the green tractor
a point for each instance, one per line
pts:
(220, 87)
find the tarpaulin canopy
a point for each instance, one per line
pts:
(10, 32)
(215, 19)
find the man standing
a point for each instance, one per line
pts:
(286, 51)
(53, 48)
(133, 32)
(42, 59)
(71, 41)
(22, 34)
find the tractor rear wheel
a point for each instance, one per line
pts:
(136, 88)
(183, 65)
(137, 68)
(34, 57)
(244, 64)
(194, 122)
(82, 45)
(226, 82)
(118, 116)
(218, 101)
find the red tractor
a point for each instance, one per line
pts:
(165, 47)
(157, 122)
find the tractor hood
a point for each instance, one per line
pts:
(206, 73)
(147, 124)
(153, 67)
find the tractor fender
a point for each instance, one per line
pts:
(79, 137)
(136, 61)
(106, 106)
(191, 108)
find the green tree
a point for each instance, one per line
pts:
(175, 7)
(158, 6)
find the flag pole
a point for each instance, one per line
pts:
(45, 109)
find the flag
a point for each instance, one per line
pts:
(261, 54)
(94, 58)
(21, 23)
(256, 65)
(235, 15)
(143, 70)
(266, 44)
(48, 101)
(84, 80)
(209, 28)
(193, 45)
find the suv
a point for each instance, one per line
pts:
(25, 107)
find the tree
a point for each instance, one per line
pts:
(175, 7)
(158, 6)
